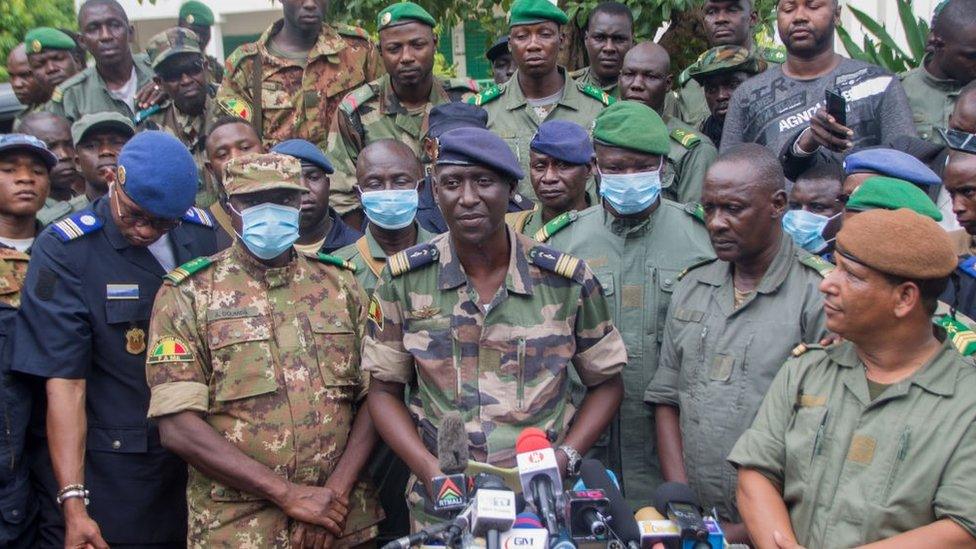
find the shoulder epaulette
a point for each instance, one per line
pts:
(963, 339)
(562, 264)
(357, 97)
(239, 54)
(58, 94)
(188, 269)
(349, 30)
(555, 225)
(815, 262)
(694, 266)
(334, 261)
(685, 138)
(695, 210)
(76, 226)
(968, 265)
(518, 220)
(10, 254)
(773, 55)
(804, 348)
(142, 115)
(412, 258)
(461, 84)
(198, 216)
(577, 73)
(487, 96)
(596, 93)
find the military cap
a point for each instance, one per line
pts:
(13, 142)
(632, 125)
(892, 163)
(725, 59)
(402, 13)
(304, 150)
(498, 49)
(451, 116)
(48, 38)
(99, 120)
(563, 140)
(196, 13)
(262, 172)
(530, 12)
(899, 243)
(888, 193)
(159, 174)
(478, 146)
(171, 42)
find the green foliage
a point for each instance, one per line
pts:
(880, 48)
(19, 16)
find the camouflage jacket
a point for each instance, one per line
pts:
(87, 93)
(505, 369)
(13, 270)
(271, 357)
(294, 99)
(216, 70)
(373, 112)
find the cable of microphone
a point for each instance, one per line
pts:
(539, 474)
(451, 488)
(677, 502)
(418, 538)
(621, 522)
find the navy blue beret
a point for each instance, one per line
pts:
(304, 150)
(478, 146)
(450, 116)
(563, 140)
(891, 163)
(498, 49)
(159, 174)
(30, 144)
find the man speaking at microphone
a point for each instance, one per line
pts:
(487, 322)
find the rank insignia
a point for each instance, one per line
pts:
(387, 17)
(375, 313)
(135, 341)
(169, 349)
(121, 176)
(190, 19)
(36, 46)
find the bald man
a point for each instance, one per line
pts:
(646, 77)
(67, 194)
(27, 89)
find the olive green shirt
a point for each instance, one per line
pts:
(87, 93)
(637, 263)
(586, 76)
(718, 360)
(53, 210)
(690, 157)
(932, 101)
(369, 266)
(853, 471)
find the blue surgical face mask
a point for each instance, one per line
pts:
(391, 209)
(269, 229)
(630, 193)
(806, 229)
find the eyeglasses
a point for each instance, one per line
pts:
(959, 140)
(174, 74)
(139, 220)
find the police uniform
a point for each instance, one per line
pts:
(87, 93)
(932, 101)
(85, 311)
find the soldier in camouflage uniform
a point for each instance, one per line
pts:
(646, 78)
(288, 93)
(488, 322)
(608, 36)
(720, 71)
(540, 90)
(178, 63)
(254, 370)
(396, 105)
(636, 243)
(197, 17)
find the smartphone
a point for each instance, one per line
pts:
(837, 106)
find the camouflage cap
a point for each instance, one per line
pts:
(402, 13)
(170, 42)
(262, 172)
(724, 59)
(196, 13)
(48, 38)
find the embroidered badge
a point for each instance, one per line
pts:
(375, 313)
(169, 349)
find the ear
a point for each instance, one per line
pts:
(132, 34)
(669, 81)
(934, 42)
(753, 19)
(907, 297)
(779, 201)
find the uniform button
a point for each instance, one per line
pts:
(338, 323)
(15, 513)
(237, 334)
(667, 281)
(116, 444)
(320, 326)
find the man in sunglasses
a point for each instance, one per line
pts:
(86, 301)
(180, 72)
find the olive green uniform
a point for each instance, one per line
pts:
(586, 76)
(373, 112)
(932, 101)
(54, 210)
(87, 93)
(512, 118)
(690, 156)
(717, 360)
(529, 223)
(853, 470)
(29, 109)
(368, 257)
(637, 263)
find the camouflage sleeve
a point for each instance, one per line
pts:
(234, 95)
(176, 364)
(663, 387)
(384, 356)
(600, 351)
(374, 64)
(696, 163)
(344, 143)
(358, 302)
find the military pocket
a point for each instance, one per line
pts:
(667, 279)
(241, 355)
(606, 282)
(274, 96)
(900, 454)
(804, 441)
(722, 368)
(336, 350)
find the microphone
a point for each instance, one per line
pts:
(493, 509)
(655, 528)
(677, 502)
(419, 538)
(527, 533)
(586, 513)
(621, 519)
(539, 474)
(451, 488)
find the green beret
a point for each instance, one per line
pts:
(725, 59)
(47, 38)
(529, 12)
(196, 13)
(899, 243)
(632, 125)
(888, 193)
(402, 13)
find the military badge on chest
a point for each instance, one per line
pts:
(135, 341)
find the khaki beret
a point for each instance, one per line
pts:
(898, 242)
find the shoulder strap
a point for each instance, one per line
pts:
(557, 262)
(77, 225)
(357, 97)
(517, 220)
(695, 210)
(363, 247)
(596, 93)
(183, 272)
(198, 216)
(802, 349)
(487, 96)
(412, 258)
(555, 225)
(695, 265)
(815, 262)
(466, 84)
(968, 265)
(349, 30)
(963, 339)
(685, 138)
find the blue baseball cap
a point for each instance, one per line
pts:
(12, 142)
(477, 146)
(563, 140)
(891, 163)
(158, 173)
(304, 150)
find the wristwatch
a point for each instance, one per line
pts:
(573, 459)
